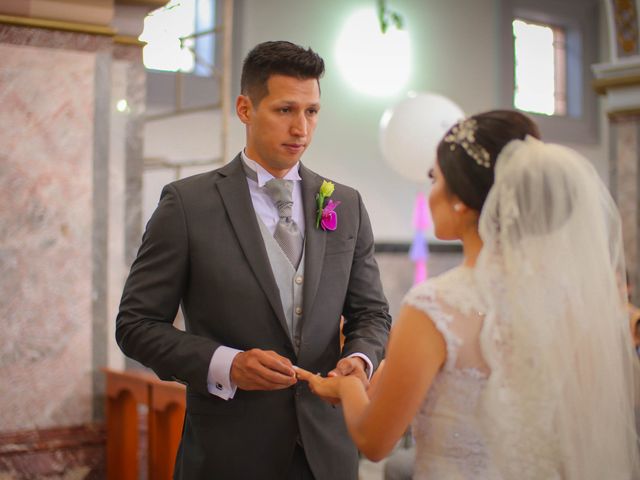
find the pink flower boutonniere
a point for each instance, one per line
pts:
(327, 218)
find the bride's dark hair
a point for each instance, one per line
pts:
(466, 178)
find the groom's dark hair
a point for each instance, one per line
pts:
(277, 58)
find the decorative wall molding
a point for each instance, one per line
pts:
(128, 40)
(67, 452)
(619, 83)
(146, 3)
(602, 85)
(94, 12)
(58, 25)
(624, 115)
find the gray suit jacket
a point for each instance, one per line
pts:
(202, 248)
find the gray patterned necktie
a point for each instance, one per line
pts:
(287, 233)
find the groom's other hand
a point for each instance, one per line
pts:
(262, 370)
(351, 366)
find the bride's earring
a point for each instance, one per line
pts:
(457, 207)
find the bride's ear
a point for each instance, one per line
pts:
(462, 210)
(459, 206)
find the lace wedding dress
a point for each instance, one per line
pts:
(449, 440)
(540, 377)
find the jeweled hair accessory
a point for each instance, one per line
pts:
(464, 134)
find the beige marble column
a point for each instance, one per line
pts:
(619, 82)
(72, 90)
(624, 154)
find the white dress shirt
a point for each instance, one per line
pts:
(219, 379)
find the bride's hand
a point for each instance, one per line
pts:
(328, 388)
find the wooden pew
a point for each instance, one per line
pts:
(126, 391)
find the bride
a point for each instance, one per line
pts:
(519, 362)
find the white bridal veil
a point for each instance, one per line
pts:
(560, 399)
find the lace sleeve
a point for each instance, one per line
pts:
(424, 298)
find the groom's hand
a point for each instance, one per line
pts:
(351, 366)
(262, 370)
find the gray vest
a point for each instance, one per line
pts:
(289, 282)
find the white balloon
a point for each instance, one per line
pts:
(411, 130)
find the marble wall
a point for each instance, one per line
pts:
(70, 172)
(46, 132)
(67, 453)
(124, 174)
(625, 188)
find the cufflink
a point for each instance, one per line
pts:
(219, 386)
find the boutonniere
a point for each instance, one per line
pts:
(327, 218)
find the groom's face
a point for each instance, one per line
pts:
(280, 127)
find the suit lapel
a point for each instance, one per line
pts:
(315, 238)
(237, 202)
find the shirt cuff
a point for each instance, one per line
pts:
(219, 378)
(369, 368)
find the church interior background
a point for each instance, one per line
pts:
(89, 135)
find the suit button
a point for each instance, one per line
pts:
(298, 310)
(299, 280)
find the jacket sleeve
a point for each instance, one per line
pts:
(151, 297)
(366, 311)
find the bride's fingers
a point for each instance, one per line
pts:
(303, 374)
(314, 380)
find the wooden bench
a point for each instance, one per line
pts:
(126, 391)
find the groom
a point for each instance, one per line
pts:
(263, 280)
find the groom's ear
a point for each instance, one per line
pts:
(244, 108)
